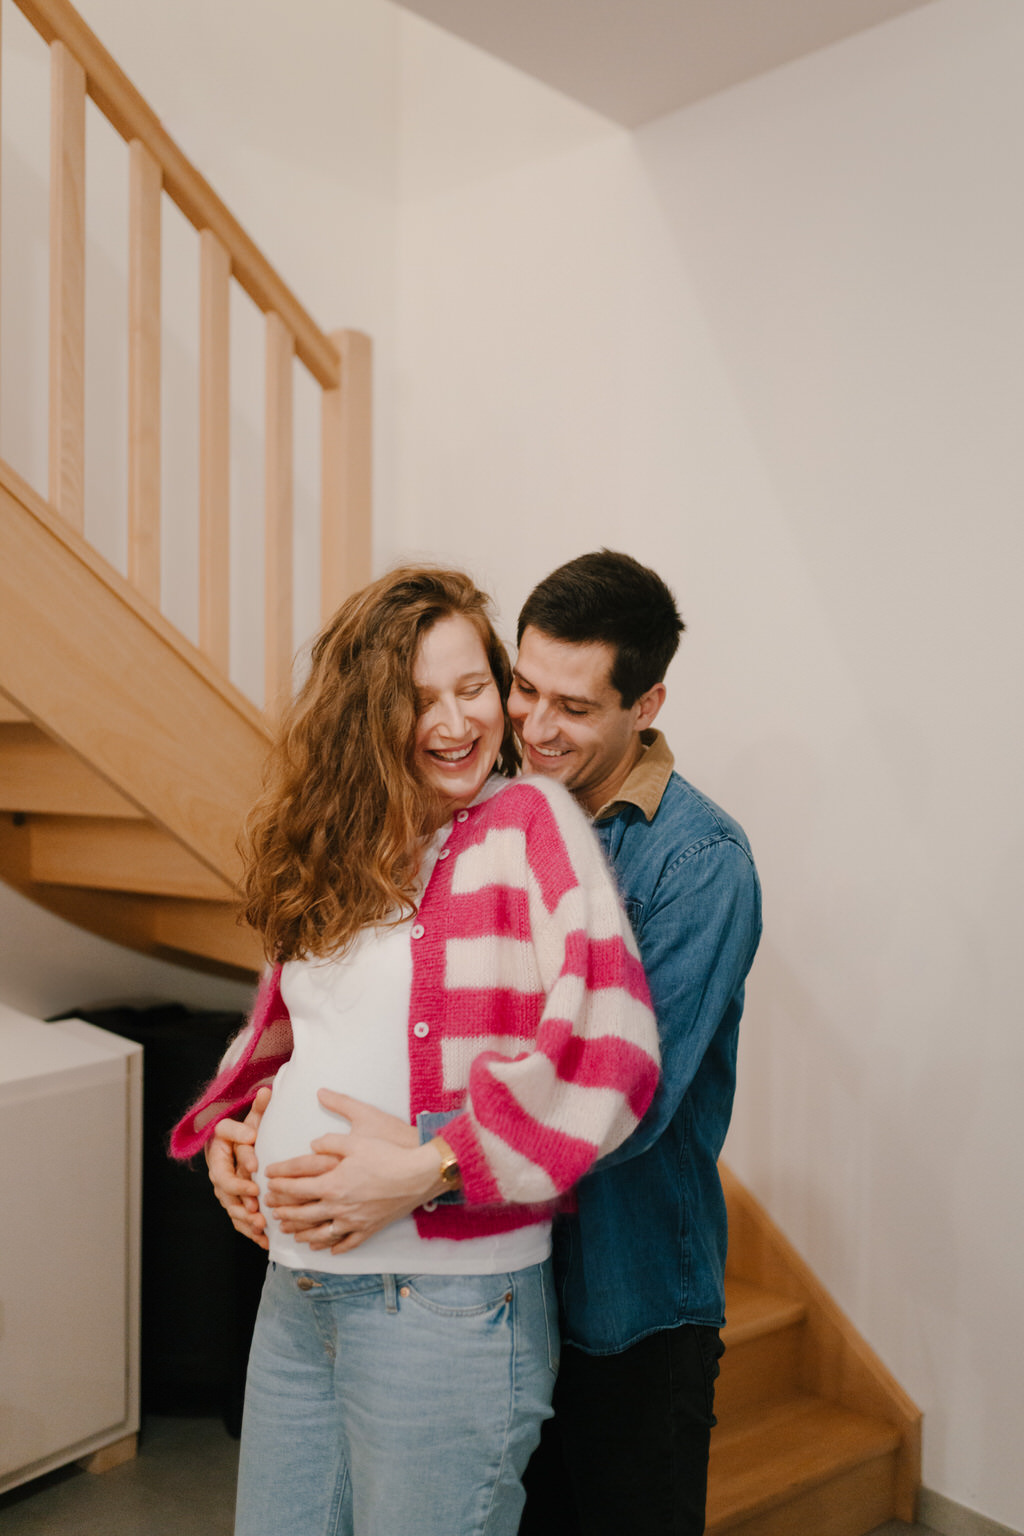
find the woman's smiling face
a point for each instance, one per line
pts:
(460, 721)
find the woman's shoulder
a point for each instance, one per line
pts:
(530, 796)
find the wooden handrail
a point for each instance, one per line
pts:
(340, 363)
(125, 109)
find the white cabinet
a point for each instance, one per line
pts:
(70, 1201)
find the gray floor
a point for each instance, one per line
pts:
(181, 1484)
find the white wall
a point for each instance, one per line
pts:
(773, 345)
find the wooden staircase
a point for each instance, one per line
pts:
(127, 761)
(127, 758)
(813, 1435)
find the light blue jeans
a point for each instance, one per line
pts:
(394, 1405)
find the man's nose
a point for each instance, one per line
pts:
(536, 724)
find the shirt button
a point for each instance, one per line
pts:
(462, 816)
(418, 930)
(421, 1030)
(429, 1205)
(444, 853)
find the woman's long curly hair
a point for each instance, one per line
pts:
(333, 842)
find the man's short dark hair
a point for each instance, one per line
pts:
(612, 599)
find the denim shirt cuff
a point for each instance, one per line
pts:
(431, 1123)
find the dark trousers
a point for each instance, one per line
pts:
(627, 1449)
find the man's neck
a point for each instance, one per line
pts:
(593, 799)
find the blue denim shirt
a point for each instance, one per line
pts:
(646, 1248)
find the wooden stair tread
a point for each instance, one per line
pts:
(751, 1311)
(102, 853)
(775, 1455)
(38, 775)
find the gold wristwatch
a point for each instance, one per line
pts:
(449, 1170)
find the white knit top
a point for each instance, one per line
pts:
(350, 1022)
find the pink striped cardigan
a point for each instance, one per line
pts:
(529, 1013)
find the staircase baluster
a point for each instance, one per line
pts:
(279, 501)
(144, 375)
(67, 285)
(214, 451)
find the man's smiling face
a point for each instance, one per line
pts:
(570, 719)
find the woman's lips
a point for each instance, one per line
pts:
(453, 757)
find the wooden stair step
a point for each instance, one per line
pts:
(803, 1466)
(751, 1311)
(38, 775)
(763, 1336)
(106, 854)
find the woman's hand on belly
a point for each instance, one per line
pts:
(372, 1183)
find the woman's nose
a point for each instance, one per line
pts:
(452, 718)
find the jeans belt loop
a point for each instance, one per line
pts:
(390, 1294)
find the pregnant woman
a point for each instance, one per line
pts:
(446, 940)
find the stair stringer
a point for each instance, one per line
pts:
(107, 677)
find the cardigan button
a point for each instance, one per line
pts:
(417, 931)
(429, 1205)
(421, 1030)
(444, 853)
(462, 816)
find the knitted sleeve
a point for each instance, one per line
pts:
(250, 1063)
(535, 1120)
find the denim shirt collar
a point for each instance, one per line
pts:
(647, 780)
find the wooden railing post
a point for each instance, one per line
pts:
(279, 518)
(341, 364)
(1, 170)
(144, 375)
(67, 285)
(214, 451)
(346, 529)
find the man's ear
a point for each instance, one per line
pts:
(648, 705)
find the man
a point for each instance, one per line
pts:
(639, 1266)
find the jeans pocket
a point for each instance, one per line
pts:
(457, 1295)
